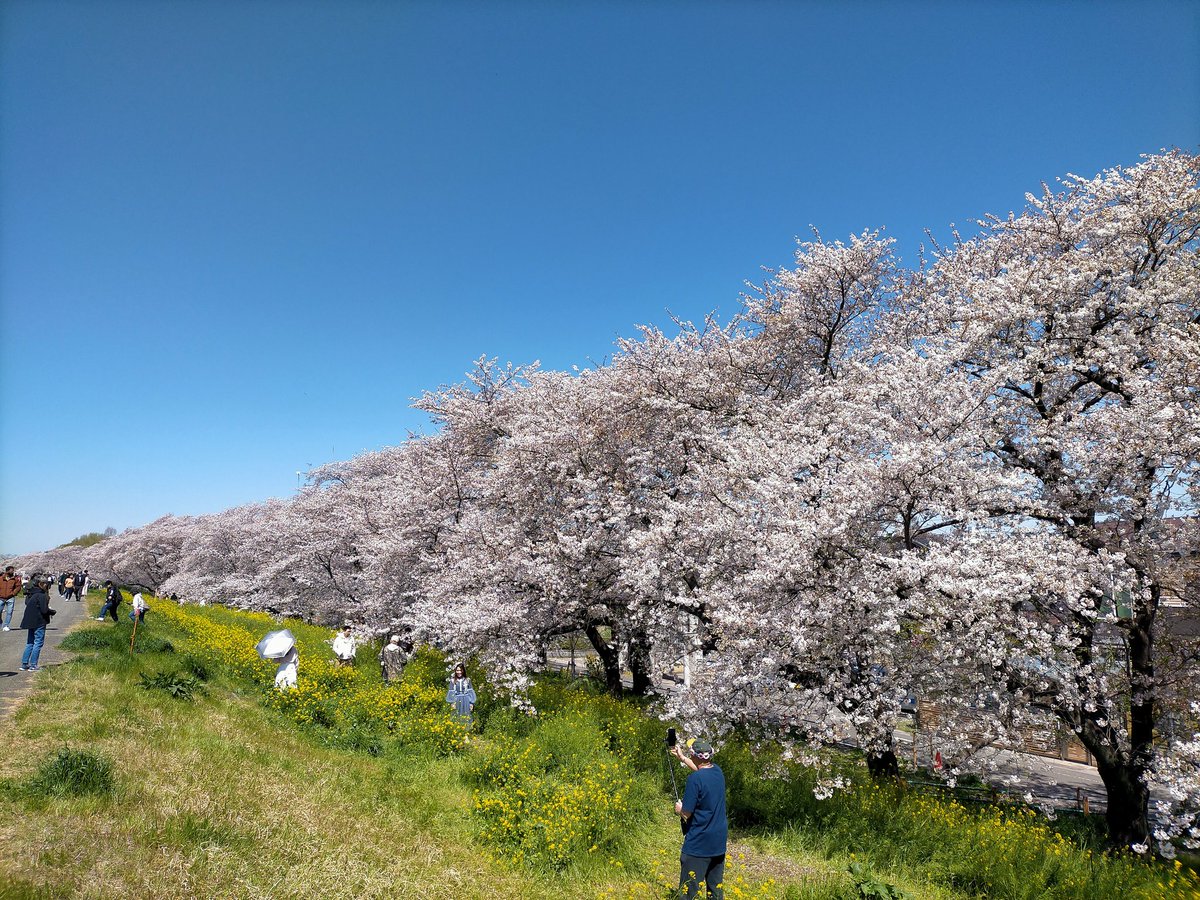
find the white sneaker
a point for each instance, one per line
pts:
(6, 628)
(100, 618)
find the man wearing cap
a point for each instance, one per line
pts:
(705, 829)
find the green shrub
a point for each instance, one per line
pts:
(72, 773)
(765, 791)
(870, 887)
(180, 685)
(152, 644)
(355, 737)
(197, 667)
(426, 668)
(560, 797)
(90, 639)
(508, 723)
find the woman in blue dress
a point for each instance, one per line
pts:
(461, 696)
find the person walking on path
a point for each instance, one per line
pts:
(81, 584)
(10, 586)
(36, 618)
(345, 647)
(391, 660)
(705, 828)
(461, 696)
(13, 686)
(112, 599)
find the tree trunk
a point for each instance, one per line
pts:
(1128, 804)
(1124, 776)
(640, 664)
(609, 660)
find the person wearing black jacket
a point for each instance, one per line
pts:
(112, 599)
(36, 618)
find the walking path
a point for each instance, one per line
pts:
(15, 684)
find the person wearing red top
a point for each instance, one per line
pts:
(10, 586)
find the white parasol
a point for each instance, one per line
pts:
(276, 644)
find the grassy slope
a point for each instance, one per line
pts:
(215, 799)
(221, 798)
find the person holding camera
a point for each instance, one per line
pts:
(36, 618)
(705, 828)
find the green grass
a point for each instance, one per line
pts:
(221, 796)
(70, 772)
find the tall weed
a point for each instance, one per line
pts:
(72, 773)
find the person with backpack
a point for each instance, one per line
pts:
(391, 661)
(112, 599)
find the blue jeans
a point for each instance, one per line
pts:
(6, 606)
(709, 870)
(33, 647)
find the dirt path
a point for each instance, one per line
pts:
(15, 684)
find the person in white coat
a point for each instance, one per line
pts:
(289, 668)
(345, 647)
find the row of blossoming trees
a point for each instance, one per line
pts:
(973, 481)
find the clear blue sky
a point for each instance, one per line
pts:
(237, 238)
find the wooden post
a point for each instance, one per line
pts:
(132, 636)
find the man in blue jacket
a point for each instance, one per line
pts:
(705, 829)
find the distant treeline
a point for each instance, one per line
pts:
(92, 537)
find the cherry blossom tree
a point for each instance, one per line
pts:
(223, 557)
(972, 481)
(1078, 322)
(145, 557)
